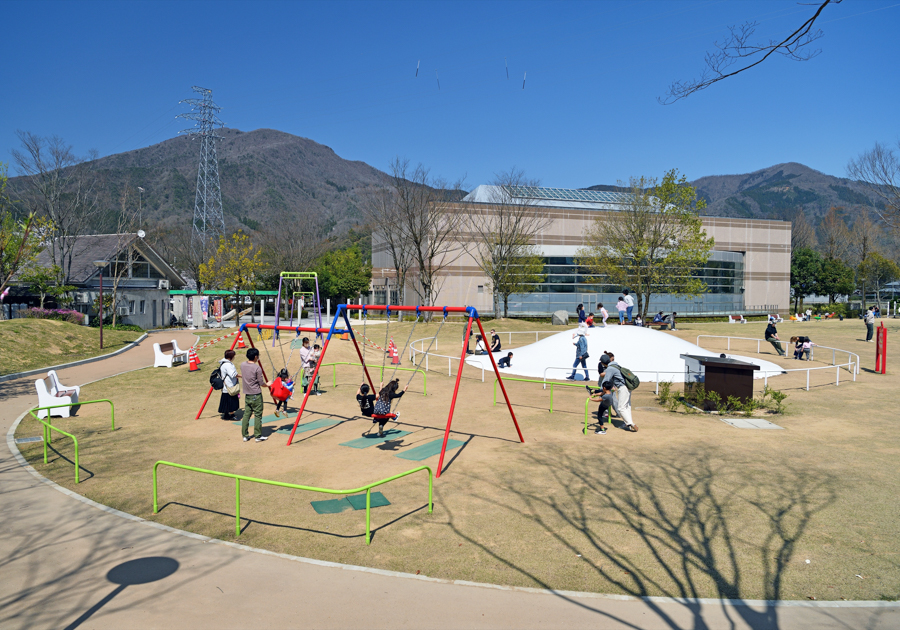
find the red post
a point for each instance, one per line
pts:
(881, 349)
(502, 386)
(205, 400)
(308, 389)
(462, 362)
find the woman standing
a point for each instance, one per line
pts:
(622, 307)
(228, 404)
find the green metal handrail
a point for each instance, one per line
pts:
(237, 490)
(48, 426)
(334, 373)
(528, 380)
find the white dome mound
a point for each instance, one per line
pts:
(646, 352)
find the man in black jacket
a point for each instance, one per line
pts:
(772, 338)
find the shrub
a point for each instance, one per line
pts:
(750, 406)
(733, 404)
(665, 391)
(778, 399)
(714, 400)
(673, 403)
(63, 315)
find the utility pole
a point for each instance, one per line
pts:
(209, 221)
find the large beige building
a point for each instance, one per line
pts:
(749, 271)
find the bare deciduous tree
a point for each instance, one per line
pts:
(879, 170)
(60, 187)
(738, 49)
(803, 234)
(501, 235)
(429, 223)
(834, 241)
(381, 211)
(126, 224)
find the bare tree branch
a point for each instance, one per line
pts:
(879, 171)
(737, 47)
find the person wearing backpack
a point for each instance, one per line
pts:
(616, 374)
(228, 403)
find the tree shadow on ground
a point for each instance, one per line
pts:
(689, 516)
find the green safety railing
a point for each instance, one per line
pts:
(49, 428)
(334, 372)
(282, 484)
(528, 380)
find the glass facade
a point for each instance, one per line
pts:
(566, 285)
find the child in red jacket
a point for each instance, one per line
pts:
(281, 392)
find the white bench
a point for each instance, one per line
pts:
(736, 319)
(46, 399)
(179, 350)
(56, 386)
(161, 359)
(775, 318)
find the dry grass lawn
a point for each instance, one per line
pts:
(687, 507)
(29, 344)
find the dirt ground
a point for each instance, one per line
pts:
(688, 506)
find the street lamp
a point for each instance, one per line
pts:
(140, 206)
(100, 264)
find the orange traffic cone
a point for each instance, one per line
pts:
(194, 364)
(241, 345)
(346, 336)
(395, 354)
(196, 356)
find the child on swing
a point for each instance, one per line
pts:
(281, 391)
(382, 412)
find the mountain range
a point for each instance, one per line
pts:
(269, 177)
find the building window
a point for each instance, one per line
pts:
(131, 307)
(481, 288)
(143, 307)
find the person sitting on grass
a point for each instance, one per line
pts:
(480, 348)
(280, 392)
(386, 396)
(506, 361)
(495, 341)
(607, 401)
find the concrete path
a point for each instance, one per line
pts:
(66, 564)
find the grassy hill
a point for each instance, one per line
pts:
(30, 344)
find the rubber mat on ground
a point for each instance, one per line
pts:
(431, 449)
(372, 439)
(309, 426)
(354, 502)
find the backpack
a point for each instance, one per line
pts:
(382, 407)
(632, 382)
(216, 380)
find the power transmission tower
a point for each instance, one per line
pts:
(209, 222)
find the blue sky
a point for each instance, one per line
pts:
(109, 75)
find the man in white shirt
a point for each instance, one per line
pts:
(629, 303)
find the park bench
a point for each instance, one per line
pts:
(162, 359)
(48, 399)
(736, 319)
(56, 387)
(775, 318)
(660, 325)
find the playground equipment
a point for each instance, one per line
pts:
(298, 276)
(342, 314)
(307, 300)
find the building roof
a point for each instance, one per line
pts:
(91, 247)
(549, 197)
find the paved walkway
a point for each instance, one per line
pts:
(57, 556)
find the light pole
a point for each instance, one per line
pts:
(100, 264)
(140, 206)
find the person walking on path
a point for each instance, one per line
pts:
(772, 338)
(612, 374)
(622, 307)
(629, 304)
(253, 381)
(870, 324)
(228, 403)
(581, 355)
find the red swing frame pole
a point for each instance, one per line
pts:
(462, 362)
(209, 393)
(502, 386)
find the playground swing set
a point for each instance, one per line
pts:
(342, 316)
